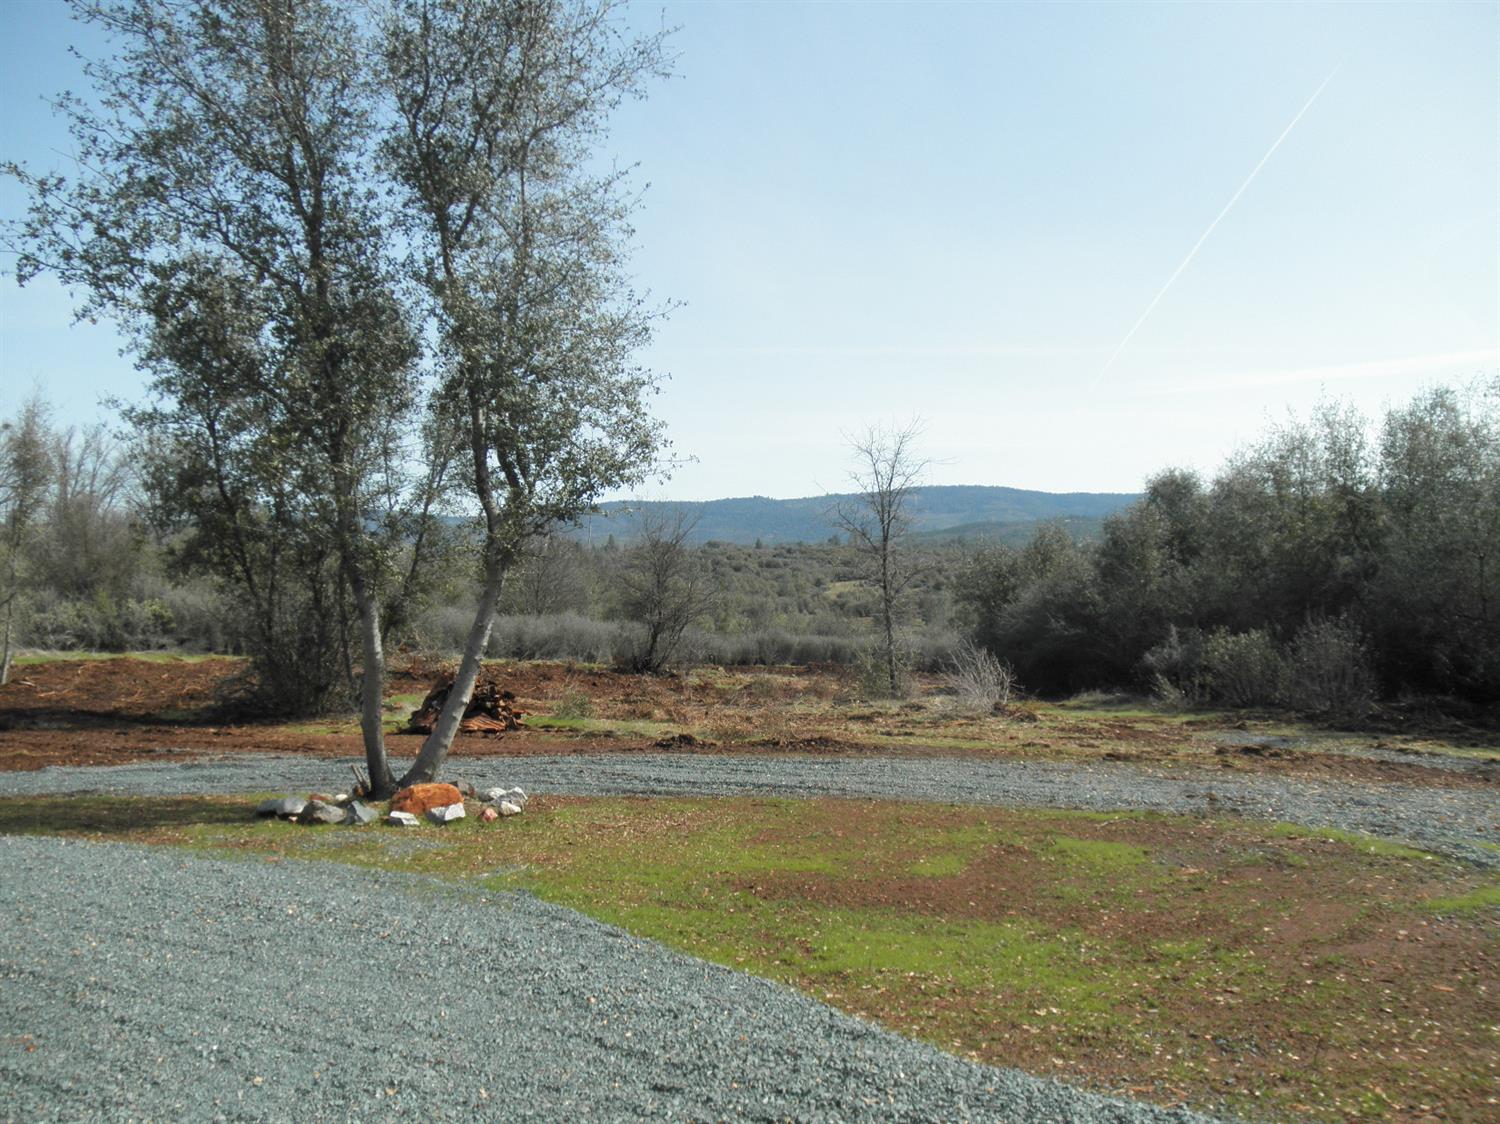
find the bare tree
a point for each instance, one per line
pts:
(887, 472)
(551, 579)
(90, 545)
(662, 588)
(26, 472)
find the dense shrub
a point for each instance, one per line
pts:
(1243, 668)
(872, 671)
(1174, 669)
(101, 624)
(566, 636)
(1330, 670)
(201, 619)
(1203, 591)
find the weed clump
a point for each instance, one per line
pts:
(978, 680)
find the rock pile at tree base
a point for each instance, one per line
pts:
(419, 799)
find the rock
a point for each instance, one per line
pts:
(419, 798)
(516, 796)
(489, 815)
(447, 814)
(317, 811)
(358, 814)
(287, 807)
(509, 809)
(402, 819)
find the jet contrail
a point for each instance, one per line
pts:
(1198, 244)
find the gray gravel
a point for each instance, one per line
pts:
(1453, 821)
(149, 983)
(1345, 745)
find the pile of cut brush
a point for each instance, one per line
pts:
(490, 710)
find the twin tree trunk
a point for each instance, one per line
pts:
(435, 748)
(372, 692)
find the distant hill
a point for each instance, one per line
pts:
(1019, 533)
(971, 512)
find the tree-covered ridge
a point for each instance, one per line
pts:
(967, 510)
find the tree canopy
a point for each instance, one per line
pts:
(350, 245)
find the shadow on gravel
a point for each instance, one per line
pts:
(123, 817)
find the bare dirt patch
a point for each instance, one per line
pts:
(116, 711)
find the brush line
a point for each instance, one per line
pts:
(1211, 226)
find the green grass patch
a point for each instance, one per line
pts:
(1367, 844)
(406, 702)
(1099, 857)
(1100, 947)
(1481, 899)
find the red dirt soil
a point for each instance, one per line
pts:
(119, 711)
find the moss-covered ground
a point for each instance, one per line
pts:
(1262, 970)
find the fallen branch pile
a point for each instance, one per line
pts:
(490, 710)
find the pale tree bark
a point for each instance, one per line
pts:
(498, 554)
(6, 656)
(371, 690)
(437, 744)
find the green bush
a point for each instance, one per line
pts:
(101, 624)
(1330, 670)
(1244, 668)
(1174, 668)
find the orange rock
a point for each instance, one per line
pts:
(418, 798)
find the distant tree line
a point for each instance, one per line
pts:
(1329, 563)
(72, 562)
(1332, 562)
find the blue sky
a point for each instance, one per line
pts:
(875, 211)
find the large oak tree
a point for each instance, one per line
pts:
(339, 238)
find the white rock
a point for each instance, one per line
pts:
(446, 815)
(516, 796)
(319, 812)
(509, 809)
(402, 819)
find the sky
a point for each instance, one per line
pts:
(958, 213)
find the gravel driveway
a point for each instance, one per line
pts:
(149, 983)
(1453, 821)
